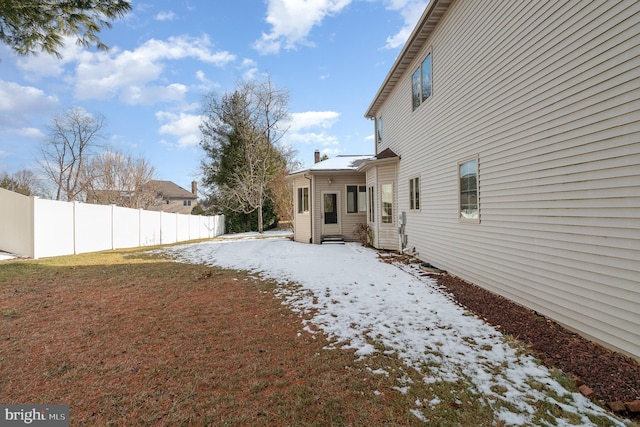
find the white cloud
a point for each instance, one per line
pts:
(45, 65)
(311, 128)
(411, 11)
(292, 20)
(105, 75)
(313, 119)
(184, 127)
(30, 133)
(134, 95)
(165, 16)
(17, 99)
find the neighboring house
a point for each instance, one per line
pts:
(329, 199)
(508, 141)
(173, 198)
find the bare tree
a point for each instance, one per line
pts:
(24, 182)
(119, 179)
(243, 135)
(75, 134)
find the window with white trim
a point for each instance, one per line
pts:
(468, 191)
(379, 130)
(372, 204)
(303, 199)
(356, 198)
(386, 197)
(421, 83)
(414, 194)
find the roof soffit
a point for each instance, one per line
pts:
(420, 35)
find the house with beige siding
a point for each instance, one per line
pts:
(508, 153)
(329, 200)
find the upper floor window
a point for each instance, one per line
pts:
(378, 130)
(356, 198)
(303, 199)
(186, 203)
(414, 194)
(468, 184)
(421, 83)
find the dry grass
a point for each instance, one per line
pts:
(131, 340)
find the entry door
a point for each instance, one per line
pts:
(330, 214)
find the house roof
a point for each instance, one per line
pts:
(421, 33)
(387, 153)
(386, 156)
(171, 190)
(338, 163)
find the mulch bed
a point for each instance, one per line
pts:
(613, 377)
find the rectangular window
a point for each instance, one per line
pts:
(415, 89)
(372, 203)
(379, 130)
(414, 194)
(356, 198)
(426, 78)
(468, 173)
(303, 199)
(362, 198)
(186, 203)
(421, 83)
(386, 191)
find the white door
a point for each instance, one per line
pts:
(330, 213)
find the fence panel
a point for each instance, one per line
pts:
(194, 227)
(182, 224)
(37, 228)
(126, 227)
(150, 228)
(93, 225)
(53, 230)
(168, 225)
(16, 232)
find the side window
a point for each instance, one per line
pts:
(414, 194)
(426, 78)
(386, 197)
(468, 191)
(421, 82)
(372, 204)
(379, 130)
(303, 199)
(415, 89)
(362, 198)
(356, 198)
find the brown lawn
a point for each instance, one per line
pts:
(132, 340)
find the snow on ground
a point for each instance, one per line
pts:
(6, 255)
(359, 300)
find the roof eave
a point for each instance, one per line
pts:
(421, 33)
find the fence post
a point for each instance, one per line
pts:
(75, 227)
(32, 227)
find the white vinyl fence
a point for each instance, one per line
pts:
(37, 228)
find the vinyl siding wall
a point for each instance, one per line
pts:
(301, 221)
(385, 235)
(547, 96)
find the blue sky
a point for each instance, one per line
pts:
(331, 55)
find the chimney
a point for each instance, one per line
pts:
(194, 188)
(316, 156)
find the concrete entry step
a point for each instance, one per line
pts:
(333, 239)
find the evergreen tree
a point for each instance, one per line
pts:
(240, 139)
(29, 26)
